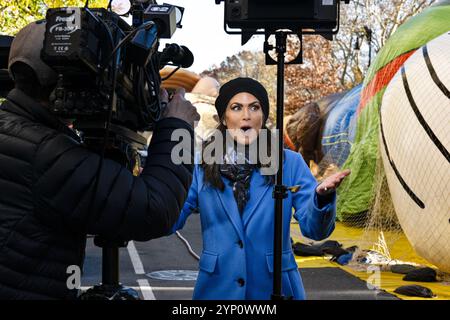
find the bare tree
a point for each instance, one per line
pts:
(367, 24)
(328, 67)
(315, 78)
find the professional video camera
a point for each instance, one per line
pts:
(108, 70)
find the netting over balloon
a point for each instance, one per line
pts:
(393, 133)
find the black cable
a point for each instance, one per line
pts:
(153, 109)
(110, 36)
(128, 36)
(107, 125)
(145, 102)
(171, 74)
(106, 135)
(141, 89)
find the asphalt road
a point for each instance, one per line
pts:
(141, 262)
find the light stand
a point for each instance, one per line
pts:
(280, 190)
(253, 17)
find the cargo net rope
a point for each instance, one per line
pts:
(376, 229)
(377, 232)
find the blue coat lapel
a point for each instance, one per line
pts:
(230, 207)
(258, 190)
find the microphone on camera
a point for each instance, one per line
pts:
(178, 55)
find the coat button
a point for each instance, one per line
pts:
(241, 244)
(241, 282)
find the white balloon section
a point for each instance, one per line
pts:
(415, 144)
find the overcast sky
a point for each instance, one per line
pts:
(204, 35)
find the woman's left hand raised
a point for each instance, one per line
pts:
(329, 184)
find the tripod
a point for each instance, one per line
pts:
(110, 288)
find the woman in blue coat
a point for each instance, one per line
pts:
(236, 206)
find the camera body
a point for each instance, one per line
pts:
(76, 46)
(108, 78)
(97, 68)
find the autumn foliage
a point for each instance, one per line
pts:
(317, 77)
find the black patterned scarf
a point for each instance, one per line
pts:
(239, 176)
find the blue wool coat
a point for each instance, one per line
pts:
(237, 257)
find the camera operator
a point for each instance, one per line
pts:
(47, 181)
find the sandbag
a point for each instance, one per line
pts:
(422, 275)
(415, 291)
(402, 268)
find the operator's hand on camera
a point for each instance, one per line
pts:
(329, 184)
(179, 107)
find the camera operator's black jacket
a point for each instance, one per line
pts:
(46, 185)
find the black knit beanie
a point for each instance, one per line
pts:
(238, 85)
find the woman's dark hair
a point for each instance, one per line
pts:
(26, 80)
(212, 174)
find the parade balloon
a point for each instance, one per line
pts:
(415, 143)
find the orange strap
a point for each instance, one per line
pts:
(382, 79)
(289, 142)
